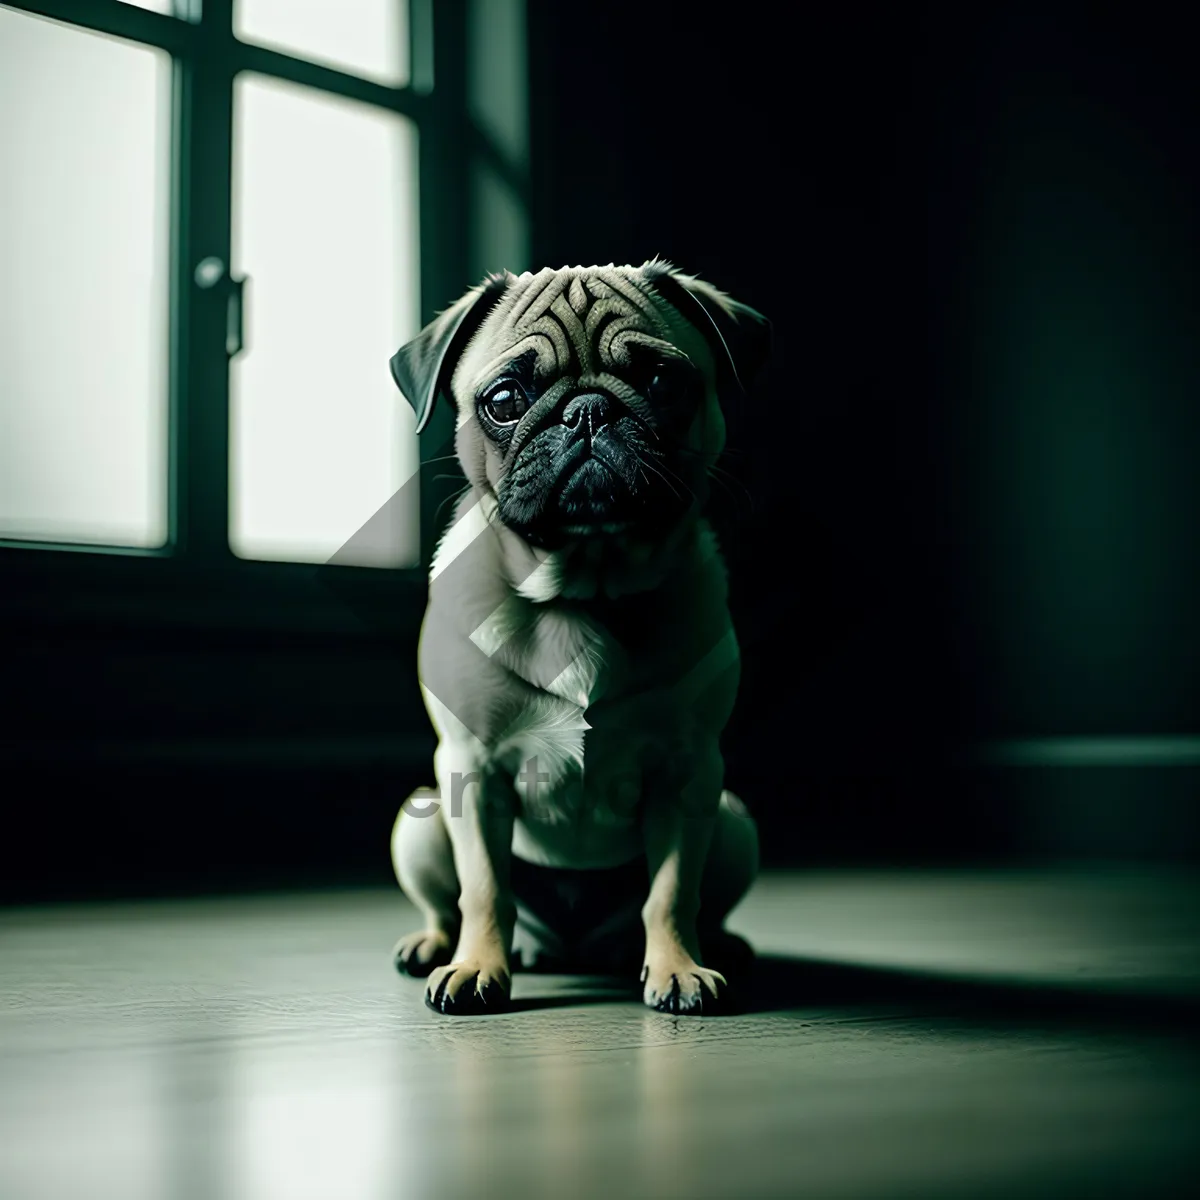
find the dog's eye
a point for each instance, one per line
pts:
(506, 403)
(663, 385)
(668, 385)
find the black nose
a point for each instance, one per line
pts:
(593, 408)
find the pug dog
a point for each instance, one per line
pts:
(577, 659)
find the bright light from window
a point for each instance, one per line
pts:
(365, 37)
(326, 229)
(333, 1123)
(83, 286)
(88, 1122)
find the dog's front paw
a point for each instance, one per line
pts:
(469, 988)
(419, 953)
(678, 984)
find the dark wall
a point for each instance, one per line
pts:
(961, 505)
(788, 164)
(973, 455)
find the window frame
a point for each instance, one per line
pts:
(195, 579)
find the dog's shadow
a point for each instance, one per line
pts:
(803, 987)
(779, 983)
(588, 991)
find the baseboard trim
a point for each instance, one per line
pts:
(1171, 751)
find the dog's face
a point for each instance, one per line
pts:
(589, 406)
(589, 399)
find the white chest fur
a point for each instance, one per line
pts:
(569, 663)
(573, 718)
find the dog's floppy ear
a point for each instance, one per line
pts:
(422, 368)
(740, 337)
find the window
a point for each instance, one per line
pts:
(219, 220)
(365, 37)
(324, 218)
(84, 294)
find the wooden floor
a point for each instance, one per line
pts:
(974, 1034)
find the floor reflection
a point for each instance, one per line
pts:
(265, 1050)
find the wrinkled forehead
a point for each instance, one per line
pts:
(579, 322)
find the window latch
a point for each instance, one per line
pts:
(208, 274)
(235, 309)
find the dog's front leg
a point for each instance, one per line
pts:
(480, 823)
(677, 827)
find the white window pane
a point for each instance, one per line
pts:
(159, 6)
(325, 229)
(365, 37)
(84, 129)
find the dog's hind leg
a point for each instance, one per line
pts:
(423, 860)
(729, 872)
(732, 861)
